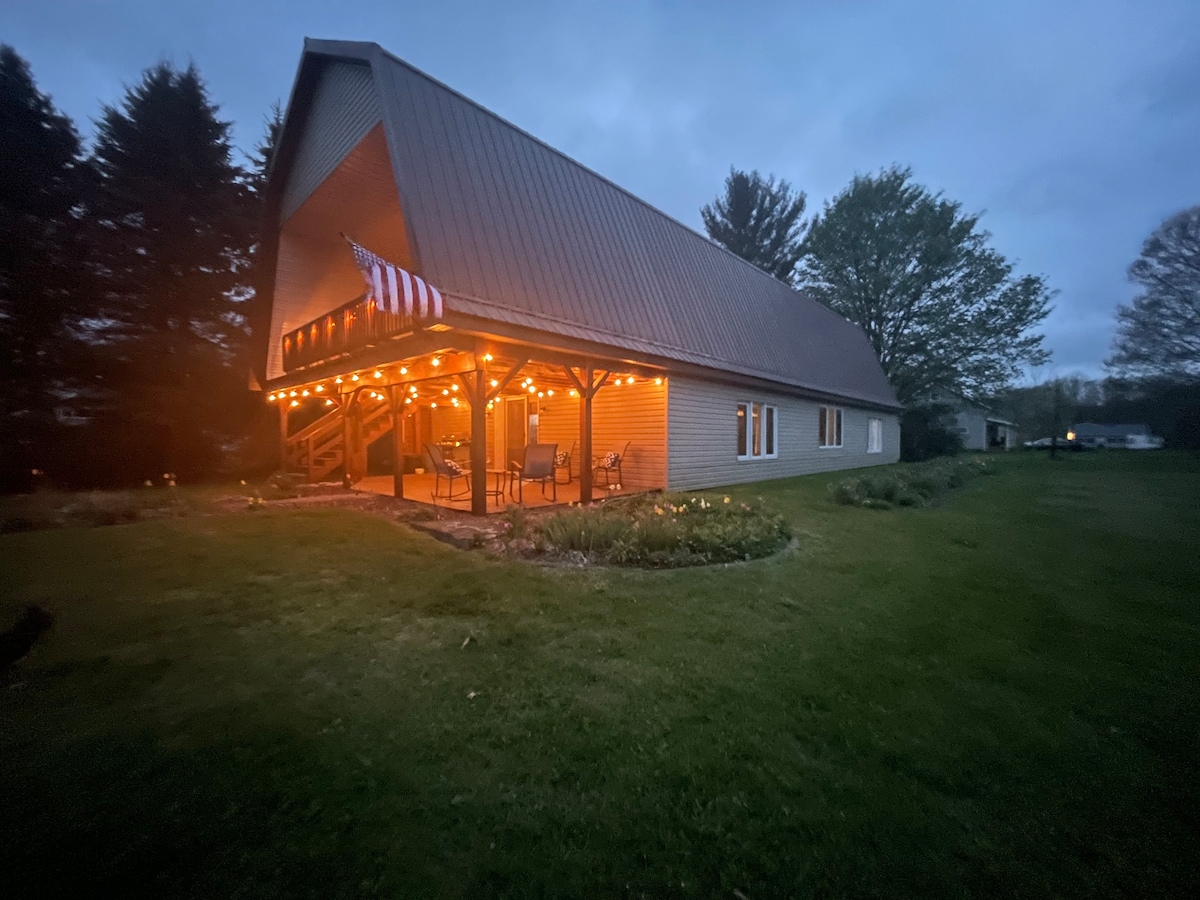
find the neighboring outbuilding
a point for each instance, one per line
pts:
(518, 298)
(981, 429)
(1125, 437)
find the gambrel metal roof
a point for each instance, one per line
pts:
(513, 230)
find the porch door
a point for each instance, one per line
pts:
(516, 423)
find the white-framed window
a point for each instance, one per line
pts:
(874, 435)
(757, 431)
(829, 429)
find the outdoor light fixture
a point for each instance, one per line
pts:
(304, 393)
(338, 380)
(549, 393)
(295, 403)
(658, 381)
(487, 357)
(571, 392)
(532, 389)
(454, 387)
(618, 381)
(270, 397)
(408, 399)
(329, 403)
(354, 377)
(292, 394)
(436, 361)
(378, 374)
(433, 405)
(495, 383)
(629, 380)
(541, 394)
(320, 387)
(404, 370)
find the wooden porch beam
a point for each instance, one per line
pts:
(504, 382)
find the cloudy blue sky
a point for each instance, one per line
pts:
(1074, 126)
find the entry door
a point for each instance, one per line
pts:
(516, 423)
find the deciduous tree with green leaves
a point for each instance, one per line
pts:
(759, 219)
(1159, 333)
(943, 310)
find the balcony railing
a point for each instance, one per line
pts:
(350, 327)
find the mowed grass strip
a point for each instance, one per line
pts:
(994, 696)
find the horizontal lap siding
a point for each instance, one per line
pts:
(631, 412)
(702, 450)
(635, 413)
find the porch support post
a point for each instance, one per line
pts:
(587, 385)
(396, 405)
(344, 406)
(477, 392)
(585, 436)
(283, 434)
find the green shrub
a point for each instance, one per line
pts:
(916, 484)
(667, 531)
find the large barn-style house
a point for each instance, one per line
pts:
(459, 308)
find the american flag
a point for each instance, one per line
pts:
(395, 290)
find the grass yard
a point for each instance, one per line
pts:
(997, 696)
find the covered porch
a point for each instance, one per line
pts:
(410, 411)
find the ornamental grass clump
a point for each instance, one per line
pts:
(666, 531)
(915, 484)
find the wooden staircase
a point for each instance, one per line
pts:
(316, 450)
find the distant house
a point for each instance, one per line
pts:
(1126, 437)
(981, 429)
(574, 313)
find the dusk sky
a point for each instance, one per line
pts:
(1075, 127)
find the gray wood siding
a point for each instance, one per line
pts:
(345, 107)
(702, 448)
(972, 427)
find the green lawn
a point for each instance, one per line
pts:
(998, 696)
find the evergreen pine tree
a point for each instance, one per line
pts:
(42, 185)
(174, 224)
(759, 220)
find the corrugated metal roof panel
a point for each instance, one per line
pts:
(495, 213)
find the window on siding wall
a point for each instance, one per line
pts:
(829, 429)
(757, 434)
(874, 435)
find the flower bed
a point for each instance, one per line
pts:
(660, 531)
(914, 484)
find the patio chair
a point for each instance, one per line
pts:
(449, 470)
(538, 466)
(563, 460)
(610, 465)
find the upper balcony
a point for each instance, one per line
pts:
(352, 326)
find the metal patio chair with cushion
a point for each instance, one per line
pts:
(610, 465)
(538, 466)
(449, 470)
(563, 460)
